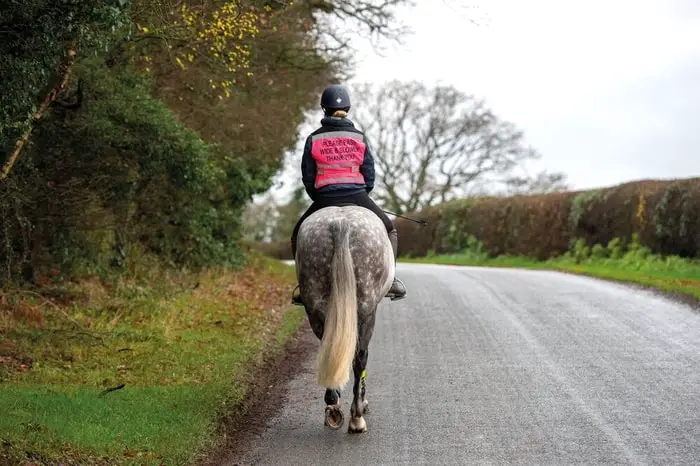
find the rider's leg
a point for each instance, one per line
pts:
(315, 206)
(295, 233)
(398, 289)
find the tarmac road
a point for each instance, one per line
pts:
(492, 366)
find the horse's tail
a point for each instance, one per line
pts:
(337, 349)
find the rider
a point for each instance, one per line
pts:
(337, 168)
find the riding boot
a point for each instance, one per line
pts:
(296, 296)
(397, 290)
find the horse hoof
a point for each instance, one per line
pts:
(334, 417)
(357, 425)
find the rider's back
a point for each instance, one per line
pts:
(337, 160)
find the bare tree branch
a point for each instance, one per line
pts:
(376, 18)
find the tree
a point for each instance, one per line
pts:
(189, 108)
(376, 17)
(218, 35)
(289, 214)
(270, 221)
(433, 144)
(41, 40)
(260, 219)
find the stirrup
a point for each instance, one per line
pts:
(296, 298)
(396, 294)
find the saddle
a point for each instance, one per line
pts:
(342, 204)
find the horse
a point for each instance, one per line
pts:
(344, 266)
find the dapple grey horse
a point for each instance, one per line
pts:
(345, 267)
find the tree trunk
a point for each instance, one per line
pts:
(64, 73)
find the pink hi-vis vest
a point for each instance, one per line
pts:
(338, 156)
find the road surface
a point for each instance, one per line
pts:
(491, 366)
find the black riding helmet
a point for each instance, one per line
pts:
(335, 97)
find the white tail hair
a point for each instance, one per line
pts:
(339, 340)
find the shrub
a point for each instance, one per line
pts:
(664, 216)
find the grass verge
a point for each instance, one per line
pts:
(116, 373)
(630, 263)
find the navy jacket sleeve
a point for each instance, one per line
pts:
(308, 170)
(367, 167)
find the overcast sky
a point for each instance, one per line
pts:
(607, 90)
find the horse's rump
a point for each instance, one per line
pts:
(370, 250)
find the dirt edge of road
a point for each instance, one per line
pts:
(239, 432)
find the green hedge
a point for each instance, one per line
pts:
(665, 215)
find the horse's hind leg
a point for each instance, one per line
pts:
(334, 412)
(359, 404)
